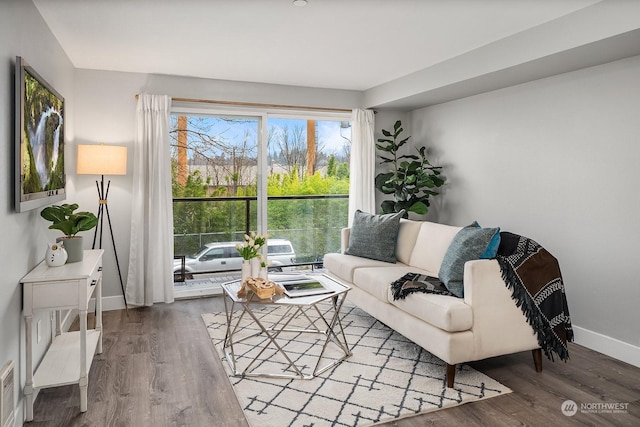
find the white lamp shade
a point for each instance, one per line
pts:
(102, 160)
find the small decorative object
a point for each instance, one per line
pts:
(263, 288)
(411, 178)
(70, 223)
(56, 255)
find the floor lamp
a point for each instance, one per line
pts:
(104, 160)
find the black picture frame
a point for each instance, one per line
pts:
(40, 177)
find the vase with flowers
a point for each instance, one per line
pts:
(249, 250)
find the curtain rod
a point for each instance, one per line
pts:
(257, 104)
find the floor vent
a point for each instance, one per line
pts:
(6, 395)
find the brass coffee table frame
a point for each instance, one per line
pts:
(292, 308)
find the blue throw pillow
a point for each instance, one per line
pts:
(468, 244)
(374, 236)
(492, 247)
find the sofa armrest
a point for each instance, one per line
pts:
(499, 326)
(483, 283)
(344, 239)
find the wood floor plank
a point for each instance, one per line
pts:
(158, 368)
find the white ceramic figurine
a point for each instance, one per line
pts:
(56, 255)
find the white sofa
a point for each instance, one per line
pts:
(484, 323)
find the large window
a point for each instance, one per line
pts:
(284, 175)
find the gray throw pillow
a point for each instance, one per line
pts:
(374, 236)
(468, 244)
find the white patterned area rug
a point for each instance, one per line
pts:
(387, 377)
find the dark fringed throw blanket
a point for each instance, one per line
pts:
(533, 275)
(414, 282)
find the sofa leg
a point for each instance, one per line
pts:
(537, 359)
(451, 374)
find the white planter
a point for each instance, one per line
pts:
(246, 270)
(73, 246)
(255, 267)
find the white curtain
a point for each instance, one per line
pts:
(150, 277)
(363, 163)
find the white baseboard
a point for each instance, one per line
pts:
(113, 303)
(117, 302)
(68, 316)
(108, 303)
(612, 347)
(197, 292)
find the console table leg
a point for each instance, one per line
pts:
(28, 388)
(83, 395)
(83, 382)
(99, 314)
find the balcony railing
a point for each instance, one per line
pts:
(311, 223)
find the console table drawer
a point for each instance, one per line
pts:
(55, 295)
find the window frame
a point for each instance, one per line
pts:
(263, 115)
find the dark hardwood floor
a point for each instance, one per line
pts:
(158, 368)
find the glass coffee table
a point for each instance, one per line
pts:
(285, 337)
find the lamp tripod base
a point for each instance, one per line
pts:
(103, 208)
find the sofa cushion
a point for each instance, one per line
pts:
(448, 313)
(468, 244)
(407, 236)
(377, 281)
(431, 245)
(343, 266)
(374, 236)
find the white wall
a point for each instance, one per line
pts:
(555, 160)
(24, 235)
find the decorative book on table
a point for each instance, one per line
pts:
(300, 285)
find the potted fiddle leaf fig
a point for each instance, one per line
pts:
(70, 223)
(411, 179)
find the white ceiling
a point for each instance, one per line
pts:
(341, 44)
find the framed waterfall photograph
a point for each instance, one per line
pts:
(40, 178)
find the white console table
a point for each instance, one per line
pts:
(69, 357)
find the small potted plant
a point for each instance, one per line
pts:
(70, 224)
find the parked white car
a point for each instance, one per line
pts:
(219, 256)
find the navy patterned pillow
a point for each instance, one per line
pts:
(374, 236)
